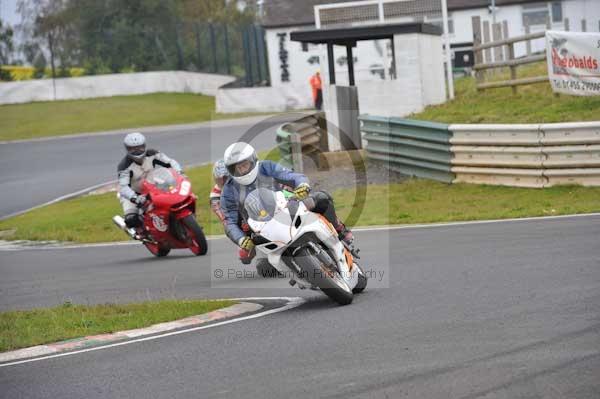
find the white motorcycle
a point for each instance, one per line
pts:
(295, 239)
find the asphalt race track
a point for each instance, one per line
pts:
(490, 310)
(35, 172)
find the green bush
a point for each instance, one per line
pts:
(5, 75)
(64, 72)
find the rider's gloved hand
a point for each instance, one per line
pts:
(301, 192)
(246, 243)
(139, 200)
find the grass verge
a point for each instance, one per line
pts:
(88, 219)
(532, 104)
(44, 119)
(426, 201)
(21, 329)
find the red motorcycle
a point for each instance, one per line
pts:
(169, 215)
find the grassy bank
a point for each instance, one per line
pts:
(44, 119)
(532, 104)
(20, 329)
(425, 201)
(88, 219)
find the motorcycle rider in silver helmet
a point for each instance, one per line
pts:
(132, 170)
(248, 173)
(220, 176)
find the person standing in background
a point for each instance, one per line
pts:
(317, 91)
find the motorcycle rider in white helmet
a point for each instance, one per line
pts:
(132, 170)
(220, 177)
(247, 174)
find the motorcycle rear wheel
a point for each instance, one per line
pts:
(323, 276)
(266, 270)
(196, 233)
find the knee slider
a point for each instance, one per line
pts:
(322, 195)
(322, 201)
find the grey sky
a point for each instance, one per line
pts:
(8, 12)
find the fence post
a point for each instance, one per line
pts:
(497, 35)
(180, 60)
(213, 45)
(247, 57)
(227, 55)
(513, 68)
(486, 39)
(198, 47)
(296, 141)
(567, 24)
(261, 53)
(583, 25)
(505, 36)
(476, 22)
(256, 52)
(527, 31)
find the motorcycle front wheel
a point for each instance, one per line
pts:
(323, 276)
(157, 250)
(362, 280)
(199, 245)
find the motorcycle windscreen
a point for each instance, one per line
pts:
(261, 204)
(162, 179)
(262, 207)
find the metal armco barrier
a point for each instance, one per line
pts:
(525, 155)
(301, 137)
(533, 155)
(415, 148)
(494, 135)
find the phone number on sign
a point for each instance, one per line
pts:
(576, 85)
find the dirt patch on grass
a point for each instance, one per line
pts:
(348, 177)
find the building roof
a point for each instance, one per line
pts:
(283, 13)
(349, 36)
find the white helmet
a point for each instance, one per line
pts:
(135, 145)
(237, 153)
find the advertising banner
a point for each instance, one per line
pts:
(574, 62)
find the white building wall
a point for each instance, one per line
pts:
(577, 10)
(299, 66)
(574, 10)
(371, 58)
(431, 57)
(112, 85)
(419, 81)
(260, 99)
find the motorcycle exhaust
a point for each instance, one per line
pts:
(120, 222)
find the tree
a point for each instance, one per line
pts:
(116, 35)
(48, 30)
(6, 43)
(6, 48)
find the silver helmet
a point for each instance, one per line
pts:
(135, 145)
(220, 173)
